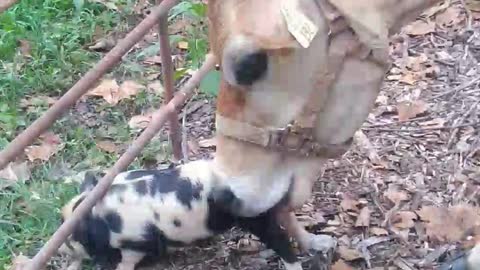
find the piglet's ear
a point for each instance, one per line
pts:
(89, 182)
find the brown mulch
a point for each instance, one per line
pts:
(406, 195)
(414, 167)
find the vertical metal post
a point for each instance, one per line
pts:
(168, 84)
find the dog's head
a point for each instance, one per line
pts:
(253, 38)
(257, 50)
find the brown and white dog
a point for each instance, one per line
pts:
(270, 80)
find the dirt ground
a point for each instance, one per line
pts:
(406, 195)
(420, 147)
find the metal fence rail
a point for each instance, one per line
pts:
(168, 112)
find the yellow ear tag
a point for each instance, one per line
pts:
(298, 24)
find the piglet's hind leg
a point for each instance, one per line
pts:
(130, 259)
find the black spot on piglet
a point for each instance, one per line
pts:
(225, 199)
(114, 221)
(177, 223)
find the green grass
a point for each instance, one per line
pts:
(59, 33)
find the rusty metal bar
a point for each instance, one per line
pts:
(158, 119)
(6, 4)
(26, 138)
(168, 84)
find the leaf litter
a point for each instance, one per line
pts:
(387, 215)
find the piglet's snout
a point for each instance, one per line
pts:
(244, 63)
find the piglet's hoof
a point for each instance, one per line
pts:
(321, 243)
(322, 247)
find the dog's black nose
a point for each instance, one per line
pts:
(250, 68)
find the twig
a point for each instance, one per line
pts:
(474, 124)
(469, 15)
(459, 122)
(184, 128)
(6, 4)
(458, 89)
(398, 122)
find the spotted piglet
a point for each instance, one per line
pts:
(145, 212)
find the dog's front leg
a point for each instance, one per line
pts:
(308, 242)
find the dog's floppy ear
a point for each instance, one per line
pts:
(89, 182)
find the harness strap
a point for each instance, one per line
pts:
(286, 140)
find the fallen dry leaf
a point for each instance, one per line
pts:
(306, 221)
(37, 101)
(417, 63)
(473, 5)
(367, 147)
(109, 4)
(248, 245)
(451, 224)
(437, 8)
(404, 219)
(419, 28)
(341, 265)
(434, 123)
(182, 45)
(319, 218)
(140, 121)
(140, 5)
(156, 87)
(25, 47)
(107, 146)
(103, 44)
(129, 88)
(108, 89)
(206, 143)
(13, 173)
(349, 254)
(409, 78)
(153, 60)
(363, 219)
(407, 110)
(19, 262)
(348, 204)
(378, 231)
(449, 17)
(193, 147)
(50, 144)
(113, 93)
(395, 195)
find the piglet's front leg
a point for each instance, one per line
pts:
(76, 264)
